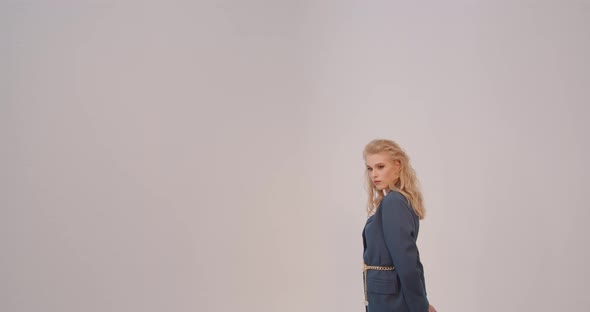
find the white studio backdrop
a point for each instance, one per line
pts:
(206, 155)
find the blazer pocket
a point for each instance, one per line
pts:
(384, 287)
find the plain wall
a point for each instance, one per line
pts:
(206, 156)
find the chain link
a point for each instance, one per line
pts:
(372, 267)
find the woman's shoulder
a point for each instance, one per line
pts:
(394, 197)
(396, 203)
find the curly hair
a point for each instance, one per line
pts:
(407, 183)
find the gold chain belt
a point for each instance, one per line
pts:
(372, 267)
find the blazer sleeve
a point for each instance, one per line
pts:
(398, 231)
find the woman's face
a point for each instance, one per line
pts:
(382, 170)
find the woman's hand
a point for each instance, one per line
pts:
(431, 308)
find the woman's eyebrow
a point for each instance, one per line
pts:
(375, 165)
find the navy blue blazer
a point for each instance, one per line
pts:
(389, 239)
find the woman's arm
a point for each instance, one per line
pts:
(398, 228)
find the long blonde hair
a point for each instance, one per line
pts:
(407, 183)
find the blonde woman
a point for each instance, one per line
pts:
(393, 275)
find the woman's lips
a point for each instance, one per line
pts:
(377, 182)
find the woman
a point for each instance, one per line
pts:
(393, 275)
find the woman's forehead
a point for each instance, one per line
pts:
(373, 159)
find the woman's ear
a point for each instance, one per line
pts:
(397, 165)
